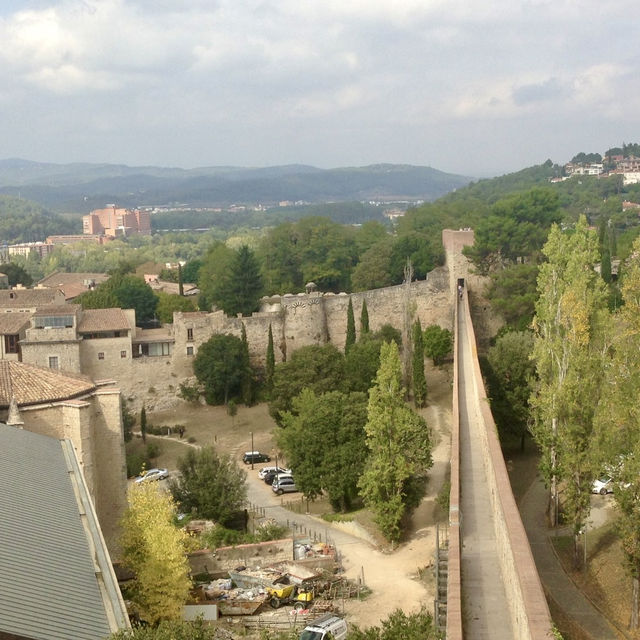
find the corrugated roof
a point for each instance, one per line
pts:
(113, 319)
(47, 576)
(33, 385)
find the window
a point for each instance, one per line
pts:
(189, 351)
(100, 355)
(123, 354)
(53, 322)
(53, 362)
(11, 343)
(152, 349)
(189, 333)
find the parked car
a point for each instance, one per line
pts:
(270, 476)
(265, 470)
(152, 475)
(255, 456)
(284, 484)
(602, 486)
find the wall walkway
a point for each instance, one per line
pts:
(493, 586)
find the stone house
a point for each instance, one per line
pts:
(89, 414)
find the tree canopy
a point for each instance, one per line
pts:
(220, 367)
(154, 549)
(399, 447)
(210, 486)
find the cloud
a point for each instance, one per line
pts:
(226, 76)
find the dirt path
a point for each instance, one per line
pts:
(401, 578)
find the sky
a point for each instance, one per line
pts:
(474, 88)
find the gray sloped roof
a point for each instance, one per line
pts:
(48, 584)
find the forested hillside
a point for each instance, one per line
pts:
(25, 221)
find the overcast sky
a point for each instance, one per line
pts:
(476, 88)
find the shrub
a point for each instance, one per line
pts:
(189, 392)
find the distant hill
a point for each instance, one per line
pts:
(80, 187)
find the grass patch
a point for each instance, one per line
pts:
(338, 517)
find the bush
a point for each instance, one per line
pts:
(135, 462)
(189, 392)
(153, 450)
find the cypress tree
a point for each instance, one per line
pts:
(419, 380)
(247, 382)
(271, 360)
(143, 424)
(364, 318)
(351, 328)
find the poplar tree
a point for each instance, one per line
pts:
(271, 360)
(154, 549)
(364, 318)
(568, 352)
(351, 328)
(399, 446)
(619, 423)
(418, 377)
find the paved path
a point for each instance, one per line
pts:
(485, 611)
(556, 582)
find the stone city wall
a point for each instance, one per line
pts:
(296, 320)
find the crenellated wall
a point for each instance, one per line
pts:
(296, 320)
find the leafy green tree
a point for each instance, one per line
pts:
(351, 328)
(324, 442)
(399, 447)
(220, 366)
(424, 252)
(512, 292)
(190, 271)
(388, 333)
(364, 319)
(16, 275)
(319, 368)
(153, 548)
(417, 364)
(618, 423)
(569, 343)
(124, 291)
(210, 486)
(399, 626)
(373, 270)
(216, 263)
(361, 363)
(510, 383)
(271, 360)
(515, 230)
(174, 630)
(438, 343)
(238, 290)
(168, 303)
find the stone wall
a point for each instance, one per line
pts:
(93, 423)
(296, 321)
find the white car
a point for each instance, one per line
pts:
(152, 475)
(266, 470)
(602, 486)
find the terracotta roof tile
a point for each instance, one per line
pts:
(93, 320)
(22, 298)
(33, 385)
(12, 323)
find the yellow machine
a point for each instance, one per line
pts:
(299, 596)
